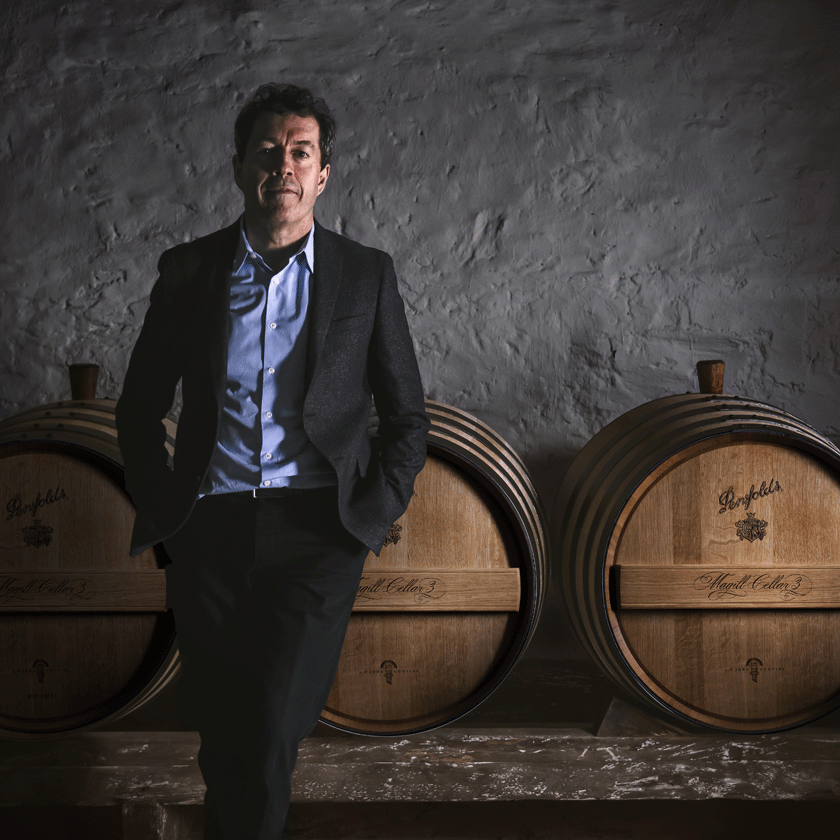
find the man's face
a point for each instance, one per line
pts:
(280, 174)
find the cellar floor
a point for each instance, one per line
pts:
(550, 754)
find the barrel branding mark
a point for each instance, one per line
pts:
(388, 670)
(45, 591)
(388, 667)
(43, 672)
(751, 529)
(754, 667)
(36, 534)
(16, 507)
(40, 666)
(420, 590)
(394, 535)
(728, 500)
(724, 586)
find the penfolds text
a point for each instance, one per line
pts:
(730, 500)
(16, 507)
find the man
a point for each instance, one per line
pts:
(280, 332)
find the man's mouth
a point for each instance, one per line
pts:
(280, 188)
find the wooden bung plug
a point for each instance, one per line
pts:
(710, 376)
(83, 379)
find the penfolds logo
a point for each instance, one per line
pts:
(729, 500)
(16, 507)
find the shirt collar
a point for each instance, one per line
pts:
(244, 250)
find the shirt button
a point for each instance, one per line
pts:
(268, 415)
(266, 483)
(273, 326)
(271, 370)
(267, 456)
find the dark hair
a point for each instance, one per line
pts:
(285, 99)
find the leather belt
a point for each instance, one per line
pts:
(277, 492)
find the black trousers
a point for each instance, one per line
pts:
(261, 591)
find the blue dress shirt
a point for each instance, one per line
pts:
(262, 442)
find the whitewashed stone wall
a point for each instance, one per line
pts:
(582, 198)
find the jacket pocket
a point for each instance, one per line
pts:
(349, 319)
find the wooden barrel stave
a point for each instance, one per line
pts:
(505, 482)
(67, 408)
(496, 460)
(474, 509)
(510, 479)
(93, 418)
(521, 519)
(64, 669)
(596, 589)
(623, 443)
(774, 709)
(593, 507)
(516, 474)
(478, 447)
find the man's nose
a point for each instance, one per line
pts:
(281, 163)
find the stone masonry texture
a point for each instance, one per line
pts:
(582, 198)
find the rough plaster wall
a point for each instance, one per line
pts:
(582, 198)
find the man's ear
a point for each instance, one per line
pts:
(322, 178)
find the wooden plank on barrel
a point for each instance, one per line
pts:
(64, 590)
(726, 587)
(439, 590)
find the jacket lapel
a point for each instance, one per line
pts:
(322, 296)
(214, 282)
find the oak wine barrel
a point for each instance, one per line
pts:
(698, 539)
(85, 635)
(448, 607)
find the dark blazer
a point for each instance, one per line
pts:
(359, 346)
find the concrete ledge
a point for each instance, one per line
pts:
(448, 765)
(519, 765)
(348, 786)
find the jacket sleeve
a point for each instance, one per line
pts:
(398, 396)
(147, 396)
